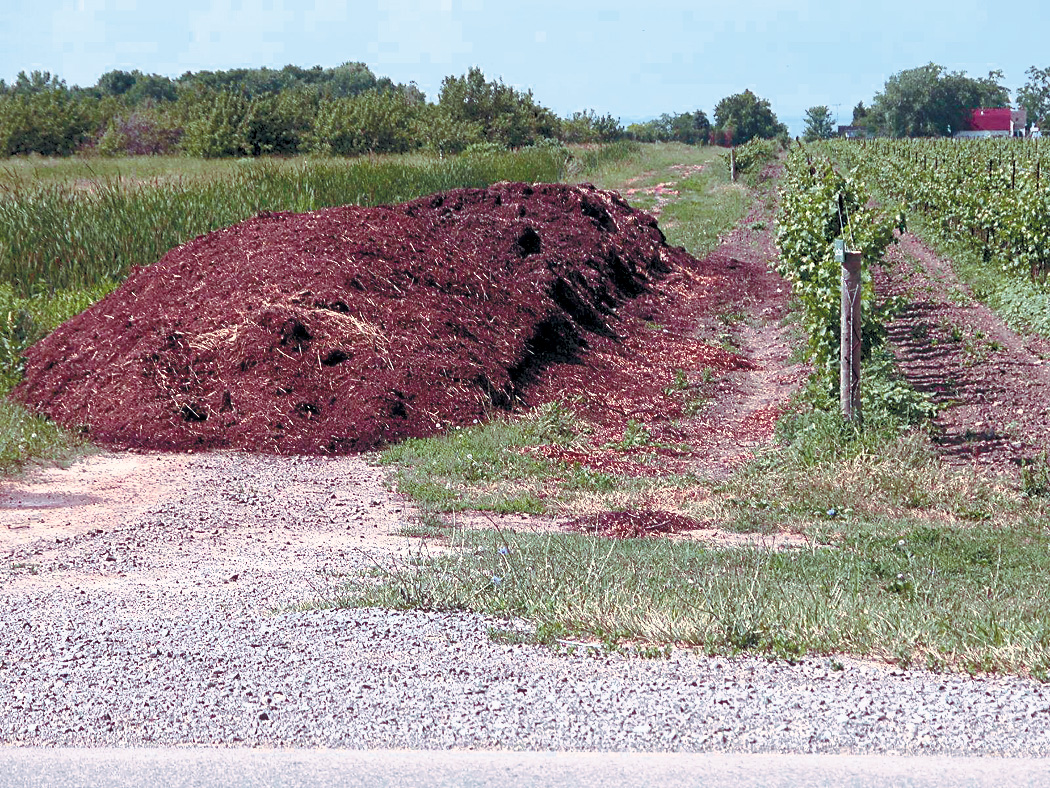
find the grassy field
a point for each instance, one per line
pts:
(861, 541)
(71, 233)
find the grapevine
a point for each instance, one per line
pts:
(818, 205)
(991, 194)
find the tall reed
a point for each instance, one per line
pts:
(60, 236)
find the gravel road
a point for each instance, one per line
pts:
(150, 600)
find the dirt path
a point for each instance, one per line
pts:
(992, 384)
(181, 524)
(700, 371)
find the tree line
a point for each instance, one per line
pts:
(346, 110)
(931, 101)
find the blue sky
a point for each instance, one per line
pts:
(631, 59)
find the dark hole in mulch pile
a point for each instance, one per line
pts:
(633, 524)
(343, 329)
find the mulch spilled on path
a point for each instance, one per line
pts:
(633, 524)
(699, 374)
(343, 329)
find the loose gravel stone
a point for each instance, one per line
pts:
(195, 634)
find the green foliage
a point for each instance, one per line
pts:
(819, 124)
(887, 397)
(589, 127)
(27, 438)
(985, 196)
(744, 116)
(27, 319)
(1035, 476)
(150, 132)
(752, 157)
(48, 122)
(369, 123)
(691, 128)
(346, 110)
(930, 102)
(136, 88)
(817, 206)
(219, 127)
(502, 114)
(1034, 96)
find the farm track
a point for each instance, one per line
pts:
(718, 327)
(992, 384)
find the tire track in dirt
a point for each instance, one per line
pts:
(991, 383)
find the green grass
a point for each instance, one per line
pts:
(25, 438)
(27, 319)
(79, 170)
(73, 235)
(973, 599)
(707, 204)
(698, 219)
(904, 560)
(490, 466)
(879, 473)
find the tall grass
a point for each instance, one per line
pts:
(57, 236)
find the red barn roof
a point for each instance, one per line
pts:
(989, 120)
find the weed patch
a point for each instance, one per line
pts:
(965, 599)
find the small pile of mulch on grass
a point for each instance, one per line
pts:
(343, 329)
(633, 524)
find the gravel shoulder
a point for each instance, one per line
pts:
(175, 622)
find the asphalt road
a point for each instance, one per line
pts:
(182, 768)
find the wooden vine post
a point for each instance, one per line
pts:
(850, 336)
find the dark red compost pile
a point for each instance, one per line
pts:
(342, 329)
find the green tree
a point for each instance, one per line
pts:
(819, 124)
(37, 82)
(588, 126)
(1035, 95)
(151, 88)
(656, 130)
(374, 122)
(51, 123)
(439, 132)
(217, 126)
(744, 116)
(115, 83)
(349, 79)
(692, 128)
(505, 116)
(930, 102)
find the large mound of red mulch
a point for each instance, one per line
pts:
(342, 329)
